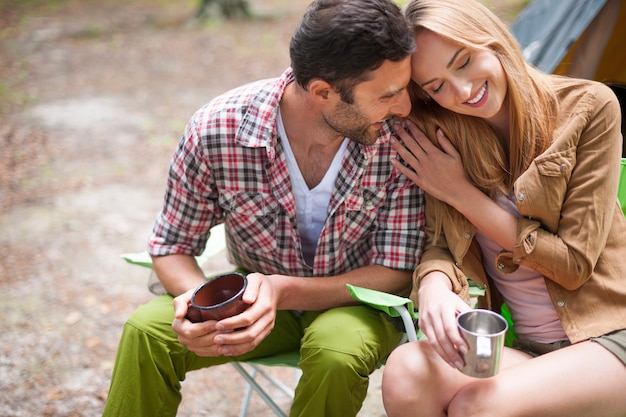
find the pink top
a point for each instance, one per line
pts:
(524, 291)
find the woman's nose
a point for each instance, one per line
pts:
(462, 90)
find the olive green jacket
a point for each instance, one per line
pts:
(571, 228)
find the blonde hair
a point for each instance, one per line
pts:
(532, 104)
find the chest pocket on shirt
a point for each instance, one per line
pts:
(361, 211)
(554, 172)
(252, 219)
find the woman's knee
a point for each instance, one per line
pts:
(408, 362)
(403, 370)
(474, 400)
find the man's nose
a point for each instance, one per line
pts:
(402, 104)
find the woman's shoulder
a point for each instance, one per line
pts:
(579, 88)
(587, 109)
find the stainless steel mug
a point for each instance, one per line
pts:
(484, 331)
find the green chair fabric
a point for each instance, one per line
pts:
(621, 191)
(382, 301)
(216, 242)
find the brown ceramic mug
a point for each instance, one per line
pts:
(218, 298)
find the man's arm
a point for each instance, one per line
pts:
(320, 293)
(178, 273)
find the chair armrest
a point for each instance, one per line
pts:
(216, 242)
(392, 305)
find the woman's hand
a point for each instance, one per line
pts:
(439, 172)
(235, 335)
(438, 309)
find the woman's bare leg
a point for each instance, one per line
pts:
(583, 380)
(417, 382)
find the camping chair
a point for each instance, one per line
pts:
(250, 370)
(621, 191)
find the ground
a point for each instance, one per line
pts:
(93, 98)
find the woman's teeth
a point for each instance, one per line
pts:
(480, 95)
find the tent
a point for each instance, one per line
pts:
(579, 38)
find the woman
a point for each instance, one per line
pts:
(521, 170)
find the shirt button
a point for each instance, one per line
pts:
(369, 204)
(560, 303)
(563, 167)
(500, 266)
(521, 196)
(467, 235)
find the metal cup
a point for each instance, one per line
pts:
(484, 331)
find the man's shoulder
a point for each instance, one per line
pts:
(263, 92)
(241, 96)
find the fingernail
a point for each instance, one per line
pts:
(458, 365)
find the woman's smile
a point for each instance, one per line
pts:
(462, 79)
(479, 98)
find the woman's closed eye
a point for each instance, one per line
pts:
(464, 65)
(466, 62)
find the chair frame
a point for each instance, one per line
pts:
(250, 376)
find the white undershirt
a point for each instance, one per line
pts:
(311, 205)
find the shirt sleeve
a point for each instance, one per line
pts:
(190, 206)
(399, 239)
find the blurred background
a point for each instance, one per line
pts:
(94, 95)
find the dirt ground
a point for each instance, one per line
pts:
(93, 98)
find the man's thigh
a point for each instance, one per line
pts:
(155, 319)
(354, 330)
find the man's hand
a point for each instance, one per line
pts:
(235, 335)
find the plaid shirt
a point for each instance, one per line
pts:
(230, 168)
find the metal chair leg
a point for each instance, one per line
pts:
(253, 384)
(245, 401)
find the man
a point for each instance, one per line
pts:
(298, 169)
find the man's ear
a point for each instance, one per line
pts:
(321, 91)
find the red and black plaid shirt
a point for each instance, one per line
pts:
(230, 168)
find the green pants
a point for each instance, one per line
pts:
(339, 349)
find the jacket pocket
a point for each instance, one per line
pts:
(550, 180)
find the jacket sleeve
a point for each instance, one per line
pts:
(437, 257)
(567, 198)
